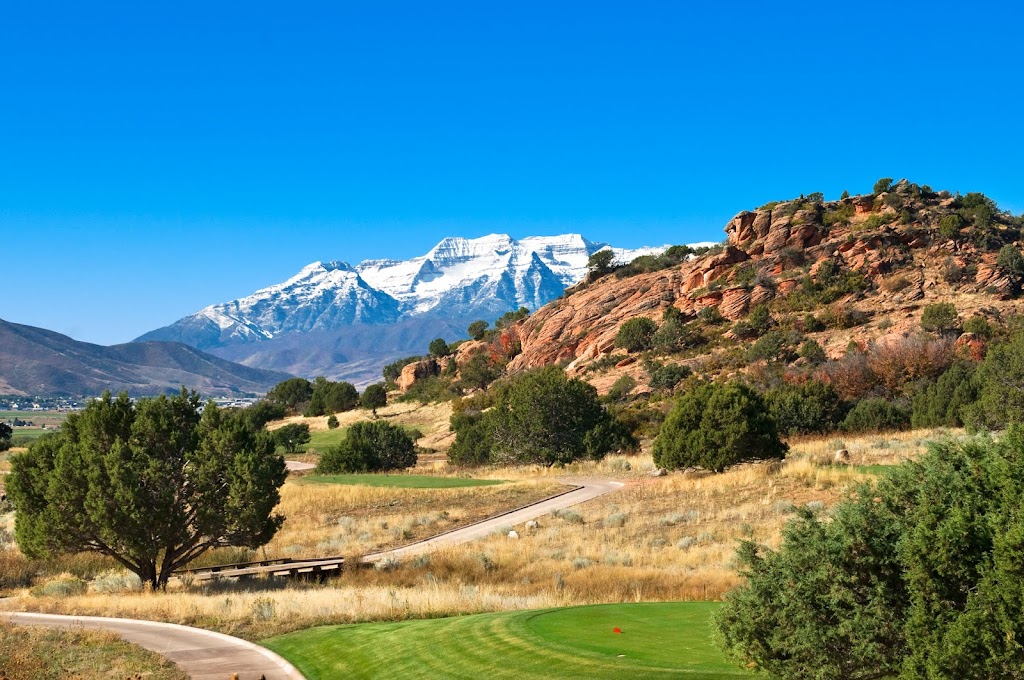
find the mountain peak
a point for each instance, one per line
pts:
(458, 280)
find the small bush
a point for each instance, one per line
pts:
(621, 388)
(64, 585)
(569, 516)
(978, 325)
(332, 422)
(636, 335)
(686, 542)
(616, 519)
(263, 609)
(714, 426)
(115, 581)
(939, 317)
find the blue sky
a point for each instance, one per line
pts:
(159, 157)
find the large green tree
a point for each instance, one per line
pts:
(916, 577)
(540, 417)
(293, 393)
(152, 484)
(292, 436)
(370, 446)
(715, 425)
(331, 397)
(374, 397)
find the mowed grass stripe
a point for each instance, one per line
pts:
(400, 481)
(659, 640)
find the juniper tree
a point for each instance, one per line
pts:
(152, 484)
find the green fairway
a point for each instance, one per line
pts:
(321, 440)
(401, 481)
(873, 469)
(658, 640)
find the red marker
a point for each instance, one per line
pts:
(616, 630)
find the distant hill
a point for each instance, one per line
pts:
(347, 322)
(35, 361)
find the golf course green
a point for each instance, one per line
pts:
(401, 481)
(657, 640)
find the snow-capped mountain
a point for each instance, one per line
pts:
(457, 281)
(488, 275)
(322, 296)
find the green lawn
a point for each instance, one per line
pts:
(873, 469)
(30, 433)
(321, 440)
(658, 640)
(401, 481)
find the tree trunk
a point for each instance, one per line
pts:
(147, 573)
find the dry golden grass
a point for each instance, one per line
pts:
(43, 654)
(430, 419)
(875, 449)
(335, 519)
(665, 538)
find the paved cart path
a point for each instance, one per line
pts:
(203, 654)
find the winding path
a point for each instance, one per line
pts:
(203, 654)
(206, 655)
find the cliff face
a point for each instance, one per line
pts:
(907, 247)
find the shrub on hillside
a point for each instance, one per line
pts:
(978, 325)
(666, 376)
(637, 334)
(714, 426)
(939, 318)
(810, 407)
(999, 377)
(674, 335)
(900, 363)
(876, 415)
(881, 186)
(813, 352)
(370, 446)
(943, 402)
(621, 388)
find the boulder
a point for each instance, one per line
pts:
(513, 534)
(971, 345)
(532, 525)
(841, 457)
(416, 371)
(658, 472)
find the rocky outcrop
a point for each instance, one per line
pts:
(887, 256)
(414, 372)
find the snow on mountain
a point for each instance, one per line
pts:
(457, 279)
(460, 275)
(322, 296)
